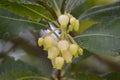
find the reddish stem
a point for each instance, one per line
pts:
(59, 75)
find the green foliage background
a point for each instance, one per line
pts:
(22, 22)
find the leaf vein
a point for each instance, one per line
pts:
(102, 35)
(98, 11)
(37, 13)
(21, 20)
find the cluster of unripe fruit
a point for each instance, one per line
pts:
(62, 50)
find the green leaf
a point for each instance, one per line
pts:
(101, 38)
(59, 2)
(51, 6)
(87, 4)
(34, 12)
(17, 70)
(87, 76)
(12, 25)
(22, 1)
(40, 62)
(74, 67)
(55, 7)
(78, 10)
(93, 3)
(103, 2)
(102, 13)
(85, 24)
(113, 76)
(71, 4)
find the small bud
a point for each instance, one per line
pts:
(67, 57)
(53, 52)
(76, 27)
(69, 15)
(70, 27)
(59, 61)
(63, 45)
(40, 41)
(80, 51)
(48, 42)
(63, 20)
(74, 49)
(73, 21)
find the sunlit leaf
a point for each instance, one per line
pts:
(103, 2)
(32, 11)
(84, 24)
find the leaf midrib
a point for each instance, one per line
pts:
(21, 20)
(36, 12)
(101, 35)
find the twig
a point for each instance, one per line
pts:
(59, 75)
